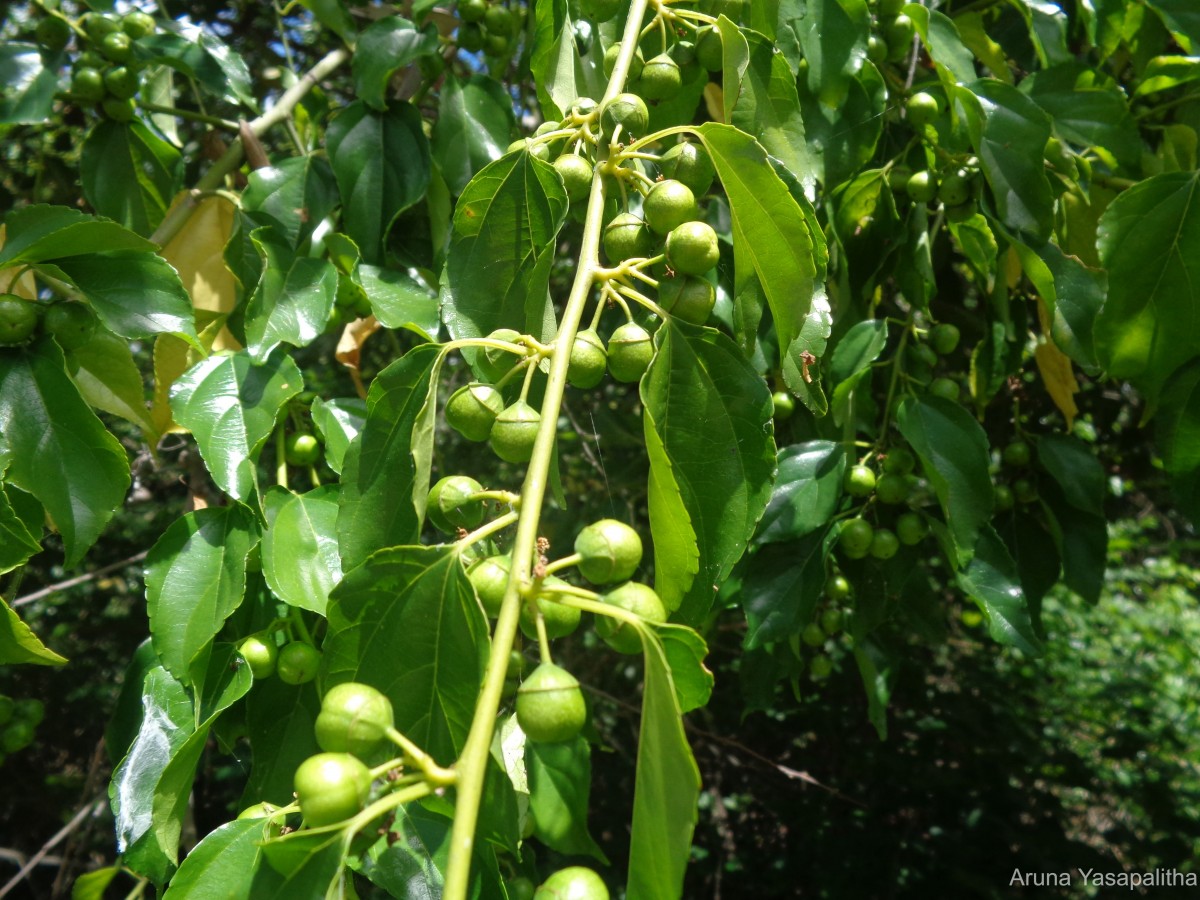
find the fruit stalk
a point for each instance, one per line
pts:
(472, 763)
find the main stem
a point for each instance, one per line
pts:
(472, 763)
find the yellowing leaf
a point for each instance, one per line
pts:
(24, 286)
(714, 101)
(1055, 367)
(197, 253)
(349, 348)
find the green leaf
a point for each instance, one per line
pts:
(297, 194)
(39, 233)
(876, 669)
(195, 579)
(303, 865)
(1145, 330)
(135, 294)
(709, 413)
(407, 622)
(28, 80)
(666, 788)
(1177, 433)
(807, 489)
(385, 476)
(954, 454)
(230, 406)
(17, 543)
(92, 885)
(293, 298)
(1180, 16)
(18, 644)
(1009, 133)
(498, 264)
(685, 651)
(1071, 463)
(851, 362)
(381, 161)
(560, 72)
(1082, 539)
(779, 239)
(782, 588)
(300, 550)
(760, 99)
(1092, 117)
(473, 127)
(338, 421)
(1165, 72)
(977, 243)
(833, 35)
(385, 47)
(334, 16)
(560, 780)
(1074, 294)
(991, 580)
(222, 865)
(401, 301)
(843, 138)
(279, 719)
(199, 54)
(129, 173)
(55, 448)
(108, 379)
(954, 62)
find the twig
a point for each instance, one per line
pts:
(78, 580)
(89, 808)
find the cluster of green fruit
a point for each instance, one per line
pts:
(296, 662)
(1017, 458)
(106, 72)
(19, 720)
(922, 358)
(893, 488)
(828, 623)
(892, 32)
(72, 324)
(487, 26)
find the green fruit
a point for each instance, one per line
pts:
(589, 360)
(496, 44)
(472, 10)
(260, 655)
(692, 248)
(627, 237)
(600, 10)
(661, 78)
(946, 388)
(574, 883)
(820, 668)
(1017, 455)
(118, 110)
(137, 24)
(471, 37)
(710, 50)
(539, 150)
(87, 84)
(1004, 498)
(53, 33)
(609, 550)
(550, 706)
(630, 349)
(955, 189)
(877, 50)
(117, 47)
(855, 538)
(923, 109)
(837, 588)
(635, 65)
(302, 449)
(668, 205)
(298, 662)
(898, 33)
(472, 409)
(494, 362)
(688, 298)
(18, 318)
(683, 52)
(514, 432)
(354, 718)
(559, 619)
(813, 635)
(627, 111)
(450, 505)
(782, 405)
(498, 20)
(576, 174)
(490, 579)
(899, 461)
(923, 354)
(831, 621)
(17, 736)
(331, 787)
(639, 599)
(520, 888)
(98, 26)
(859, 481)
(690, 164)
(7, 707)
(884, 544)
(122, 82)
(30, 710)
(1025, 491)
(944, 338)
(922, 186)
(892, 489)
(911, 529)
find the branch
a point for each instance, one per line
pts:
(77, 580)
(90, 808)
(232, 158)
